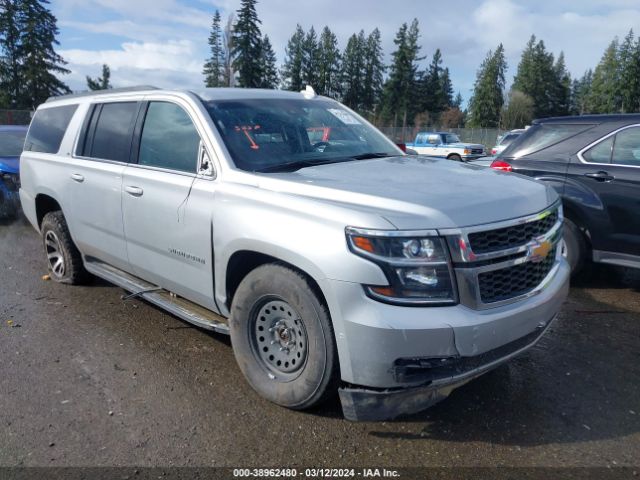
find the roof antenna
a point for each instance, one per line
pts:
(308, 92)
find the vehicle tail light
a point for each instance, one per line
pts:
(402, 146)
(501, 165)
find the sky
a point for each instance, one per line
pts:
(164, 42)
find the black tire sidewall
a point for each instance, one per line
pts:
(73, 269)
(575, 245)
(271, 282)
(455, 158)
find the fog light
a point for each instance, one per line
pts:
(418, 277)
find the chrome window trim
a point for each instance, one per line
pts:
(602, 139)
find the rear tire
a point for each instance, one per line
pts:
(575, 247)
(64, 261)
(283, 339)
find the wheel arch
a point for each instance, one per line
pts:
(45, 203)
(242, 262)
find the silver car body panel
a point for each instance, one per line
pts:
(183, 232)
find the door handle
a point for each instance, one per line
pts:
(600, 176)
(77, 177)
(134, 191)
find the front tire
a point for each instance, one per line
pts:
(575, 247)
(64, 261)
(283, 339)
(455, 157)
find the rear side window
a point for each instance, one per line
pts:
(48, 127)
(541, 136)
(626, 150)
(169, 139)
(600, 153)
(113, 131)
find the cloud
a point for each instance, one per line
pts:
(170, 64)
(169, 37)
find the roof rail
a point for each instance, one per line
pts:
(88, 93)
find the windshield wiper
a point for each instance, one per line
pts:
(298, 164)
(368, 155)
(292, 166)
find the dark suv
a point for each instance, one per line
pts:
(593, 161)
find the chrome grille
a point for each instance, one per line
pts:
(514, 281)
(503, 238)
(477, 151)
(504, 262)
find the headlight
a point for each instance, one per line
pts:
(417, 266)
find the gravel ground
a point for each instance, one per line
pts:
(90, 380)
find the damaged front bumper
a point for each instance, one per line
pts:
(447, 374)
(9, 196)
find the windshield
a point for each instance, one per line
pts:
(11, 143)
(451, 138)
(276, 134)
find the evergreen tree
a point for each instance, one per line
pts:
(580, 90)
(457, 102)
(329, 65)
(446, 89)
(399, 98)
(487, 100)
(292, 68)
(29, 60)
(373, 72)
(214, 67)
(268, 64)
(604, 96)
(310, 59)
(629, 75)
(561, 99)
(353, 71)
(536, 78)
(102, 82)
(10, 61)
(247, 45)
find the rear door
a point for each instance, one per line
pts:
(95, 181)
(610, 168)
(168, 205)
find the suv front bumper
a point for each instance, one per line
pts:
(398, 360)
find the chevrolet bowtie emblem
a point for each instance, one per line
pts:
(539, 251)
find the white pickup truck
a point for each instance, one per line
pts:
(446, 145)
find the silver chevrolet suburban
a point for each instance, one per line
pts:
(334, 261)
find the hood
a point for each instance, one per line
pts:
(9, 164)
(417, 192)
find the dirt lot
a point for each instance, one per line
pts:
(88, 379)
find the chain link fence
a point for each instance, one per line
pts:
(485, 136)
(15, 117)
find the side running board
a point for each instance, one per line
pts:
(180, 307)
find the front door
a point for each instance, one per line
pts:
(167, 206)
(611, 169)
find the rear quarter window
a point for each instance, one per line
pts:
(541, 136)
(47, 129)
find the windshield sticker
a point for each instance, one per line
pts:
(344, 117)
